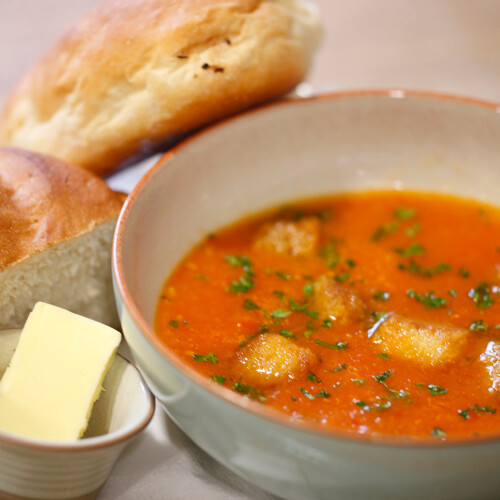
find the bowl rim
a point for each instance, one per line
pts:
(91, 443)
(227, 395)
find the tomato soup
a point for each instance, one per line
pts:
(374, 312)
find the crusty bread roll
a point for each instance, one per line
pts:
(134, 74)
(56, 230)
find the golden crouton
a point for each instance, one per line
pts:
(428, 343)
(337, 302)
(297, 238)
(270, 359)
(491, 358)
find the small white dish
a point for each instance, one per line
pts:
(35, 469)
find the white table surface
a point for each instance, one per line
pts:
(450, 46)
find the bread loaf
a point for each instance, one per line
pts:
(56, 228)
(134, 74)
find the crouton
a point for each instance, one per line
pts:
(427, 343)
(270, 359)
(295, 238)
(337, 302)
(491, 358)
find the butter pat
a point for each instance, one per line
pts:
(55, 374)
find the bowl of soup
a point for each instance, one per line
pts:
(311, 290)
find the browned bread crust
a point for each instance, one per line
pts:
(44, 201)
(134, 74)
(56, 229)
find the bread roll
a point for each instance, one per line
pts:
(134, 74)
(56, 228)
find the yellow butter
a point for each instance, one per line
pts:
(55, 374)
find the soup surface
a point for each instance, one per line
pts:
(373, 312)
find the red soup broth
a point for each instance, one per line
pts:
(427, 257)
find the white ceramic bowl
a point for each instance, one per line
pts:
(35, 469)
(282, 152)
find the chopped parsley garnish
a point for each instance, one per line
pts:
(248, 391)
(413, 249)
(280, 313)
(279, 294)
(384, 230)
(404, 213)
(481, 295)
(358, 381)
(329, 254)
(437, 432)
(428, 299)
(463, 272)
(287, 333)
(327, 323)
(383, 355)
(436, 390)
(350, 263)
(302, 308)
(465, 414)
(380, 295)
(322, 394)
(336, 345)
(282, 275)
(478, 324)
(306, 393)
(311, 376)
(341, 277)
(343, 366)
(210, 357)
(383, 376)
(220, 379)
(415, 268)
(174, 323)
(413, 230)
(245, 282)
(452, 292)
(249, 305)
(385, 404)
(308, 290)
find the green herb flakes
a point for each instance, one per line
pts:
(481, 295)
(437, 432)
(415, 268)
(283, 276)
(428, 299)
(384, 230)
(249, 305)
(413, 230)
(436, 390)
(314, 378)
(306, 393)
(220, 379)
(464, 272)
(210, 357)
(404, 213)
(465, 414)
(329, 254)
(477, 325)
(336, 345)
(380, 295)
(287, 333)
(341, 277)
(413, 249)
(280, 313)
